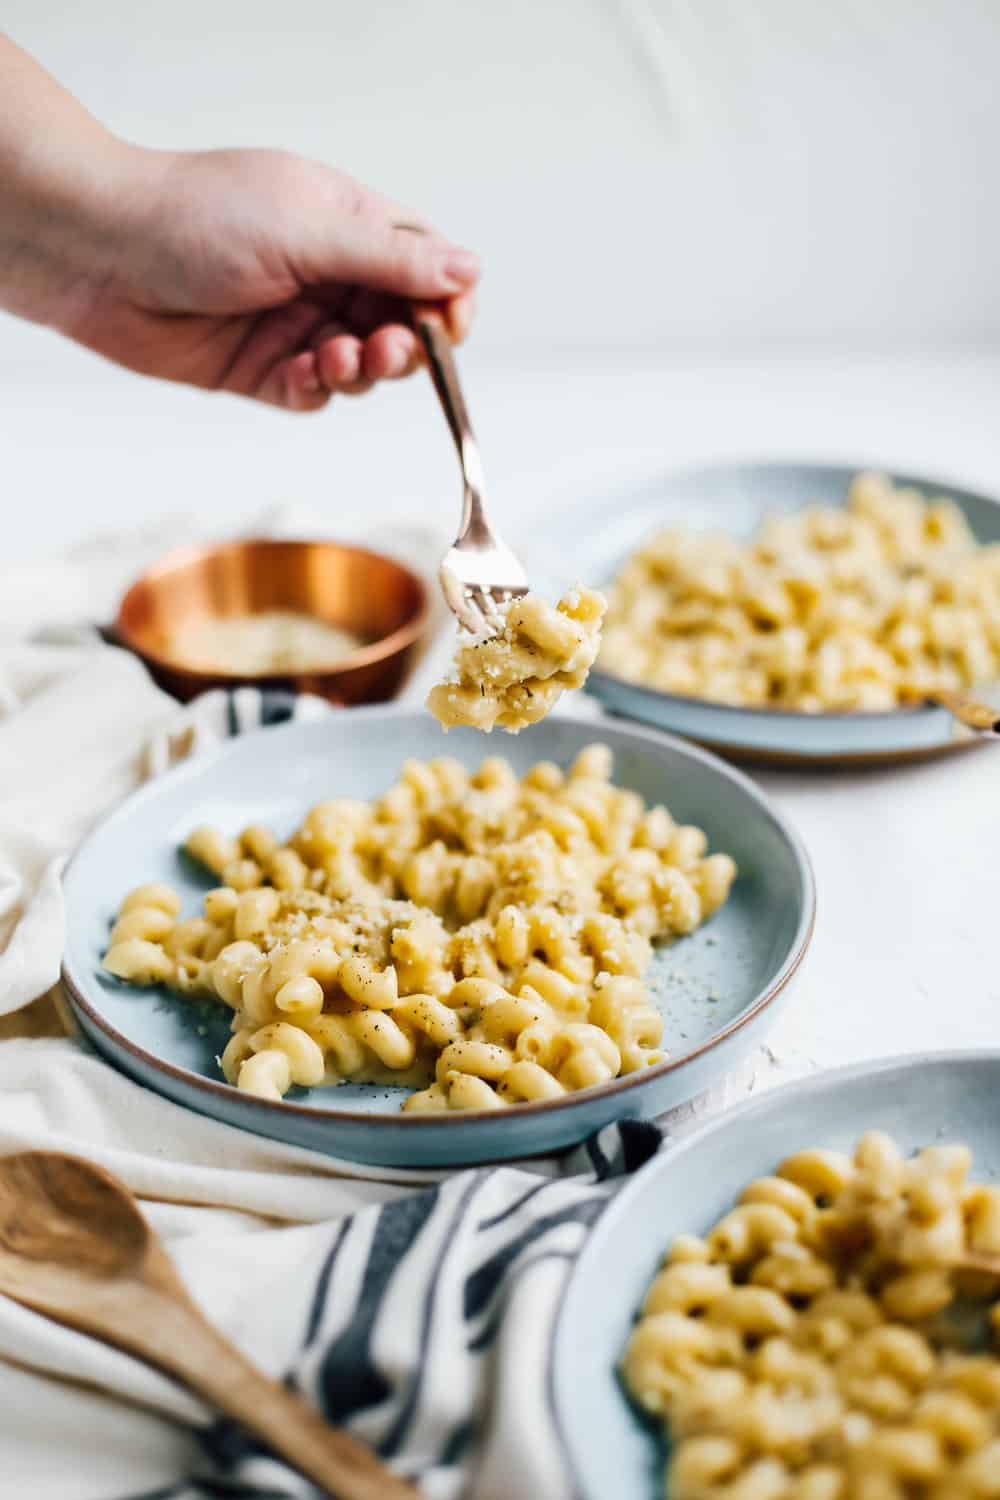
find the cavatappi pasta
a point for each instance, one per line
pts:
(802, 1350)
(864, 607)
(512, 678)
(479, 937)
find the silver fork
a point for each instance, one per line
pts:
(479, 572)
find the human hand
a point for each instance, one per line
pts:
(255, 272)
(264, 274)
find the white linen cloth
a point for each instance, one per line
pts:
(419, 1319)
(901, 960)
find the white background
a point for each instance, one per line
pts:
(635, 172)
(708, 226)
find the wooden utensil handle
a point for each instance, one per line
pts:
(183, 1345)
(981, 718)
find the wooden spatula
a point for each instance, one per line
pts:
(74, 1245)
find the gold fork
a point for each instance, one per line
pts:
(479, 572)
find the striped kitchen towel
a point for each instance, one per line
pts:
(424, 1326)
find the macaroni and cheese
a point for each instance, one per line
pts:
(479, 937)
(802, 1350)
(512, 677)
(880, 603)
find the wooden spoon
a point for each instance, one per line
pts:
(74, 1246)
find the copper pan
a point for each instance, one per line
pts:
(376, 599)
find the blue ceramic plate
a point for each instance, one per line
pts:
(734, 498)
(718, 989)
(920, 1101)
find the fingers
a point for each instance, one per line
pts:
(338, 356)
(366, 312)
(366, 240)
(270, 363)
(391, 353)
(340, 363)
(389, 259)
(349, 363)
(298, 356)
(458, 315)
(337, 363)
(349, 366)
(298, 386)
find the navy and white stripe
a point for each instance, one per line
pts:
(246, 708)
(426, 1333)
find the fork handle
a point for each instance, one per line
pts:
(430, 327)
(429, 323)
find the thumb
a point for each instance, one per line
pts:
(374, 243)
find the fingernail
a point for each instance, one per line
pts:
(461, 267)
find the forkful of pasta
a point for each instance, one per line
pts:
(518, 652)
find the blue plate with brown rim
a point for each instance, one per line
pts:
(734, 498)
(718, 989)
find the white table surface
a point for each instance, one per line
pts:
(906, 860)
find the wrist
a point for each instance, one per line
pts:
(65, 212)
